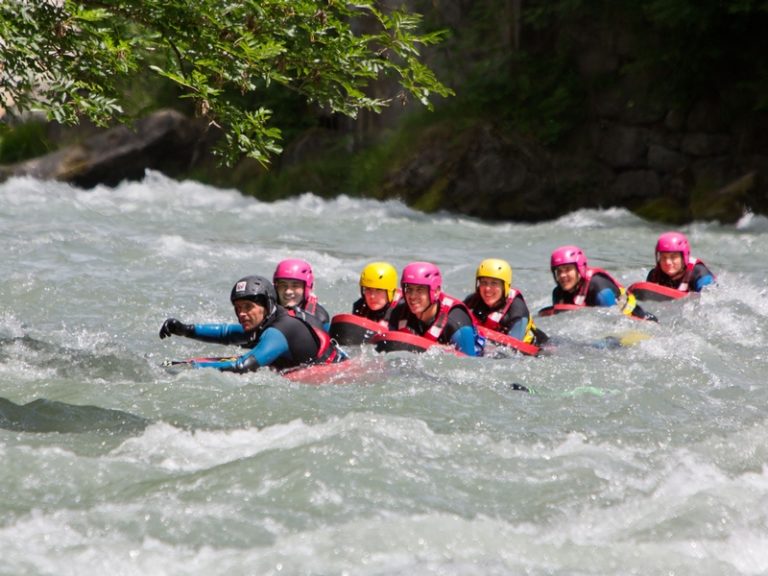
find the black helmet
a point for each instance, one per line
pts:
(258, 289)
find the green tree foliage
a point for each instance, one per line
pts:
(73, 59)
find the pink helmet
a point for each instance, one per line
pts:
(425, 274)
(569, 255)
(674, 242)
(295, 269)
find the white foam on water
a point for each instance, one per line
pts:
(645, 459)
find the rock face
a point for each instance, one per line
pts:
(658, 160)
(478, 172)
(668, 165)
(166, 141)
(636, 146)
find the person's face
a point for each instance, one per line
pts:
(417, 299)
(249, 313)
(491, 290)
(289, 292)
(567, 276)
(671, 263)
(375, 298)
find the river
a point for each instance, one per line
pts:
(645, 459)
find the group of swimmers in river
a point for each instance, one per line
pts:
(283, 325)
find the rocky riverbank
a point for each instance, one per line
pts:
(623, 142)
(672, 169)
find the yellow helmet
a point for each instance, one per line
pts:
(380, 275)
(495, 268)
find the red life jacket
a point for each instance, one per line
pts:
(310, 304)
(627, 302)
(493, 320)
(581, 297)
(436, 329)
(684, 285)
(327, 351)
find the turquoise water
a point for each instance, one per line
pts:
(649, 459)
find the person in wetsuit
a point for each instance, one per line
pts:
(496, 305)
(294, 282)
(675, 268)
(274, 337)
(582, 285)
(379, 294)
(427, 311)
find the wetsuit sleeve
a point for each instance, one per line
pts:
(240, 365)
(704, 281)
(557, 297)
(324, 317)
(602, 291)
(605, 297)
(464, 340)
(464, 336)
(271, 345)
(519, 316)
(518, 328)
(702, 277)
(220, 333)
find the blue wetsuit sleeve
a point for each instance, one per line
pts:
(517, 330)
(605, 297)
(703, 281)
(464, 340)
(323, 317)
(272, 344)
(227, 365)
(220, 333)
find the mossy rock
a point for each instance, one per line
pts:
(726, 204)
(667, 210)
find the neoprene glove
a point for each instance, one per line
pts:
(177, 327)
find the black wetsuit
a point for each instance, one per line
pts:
(598, 283)
(700, 276)
(282, 341)
(459, 329)
(518, 310)
(360, 308)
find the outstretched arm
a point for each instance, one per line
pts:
(272, 344)
(217, 333)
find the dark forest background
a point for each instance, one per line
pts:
(659, 106)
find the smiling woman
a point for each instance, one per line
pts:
(498, 307)
(579, 284)
(676, 268)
